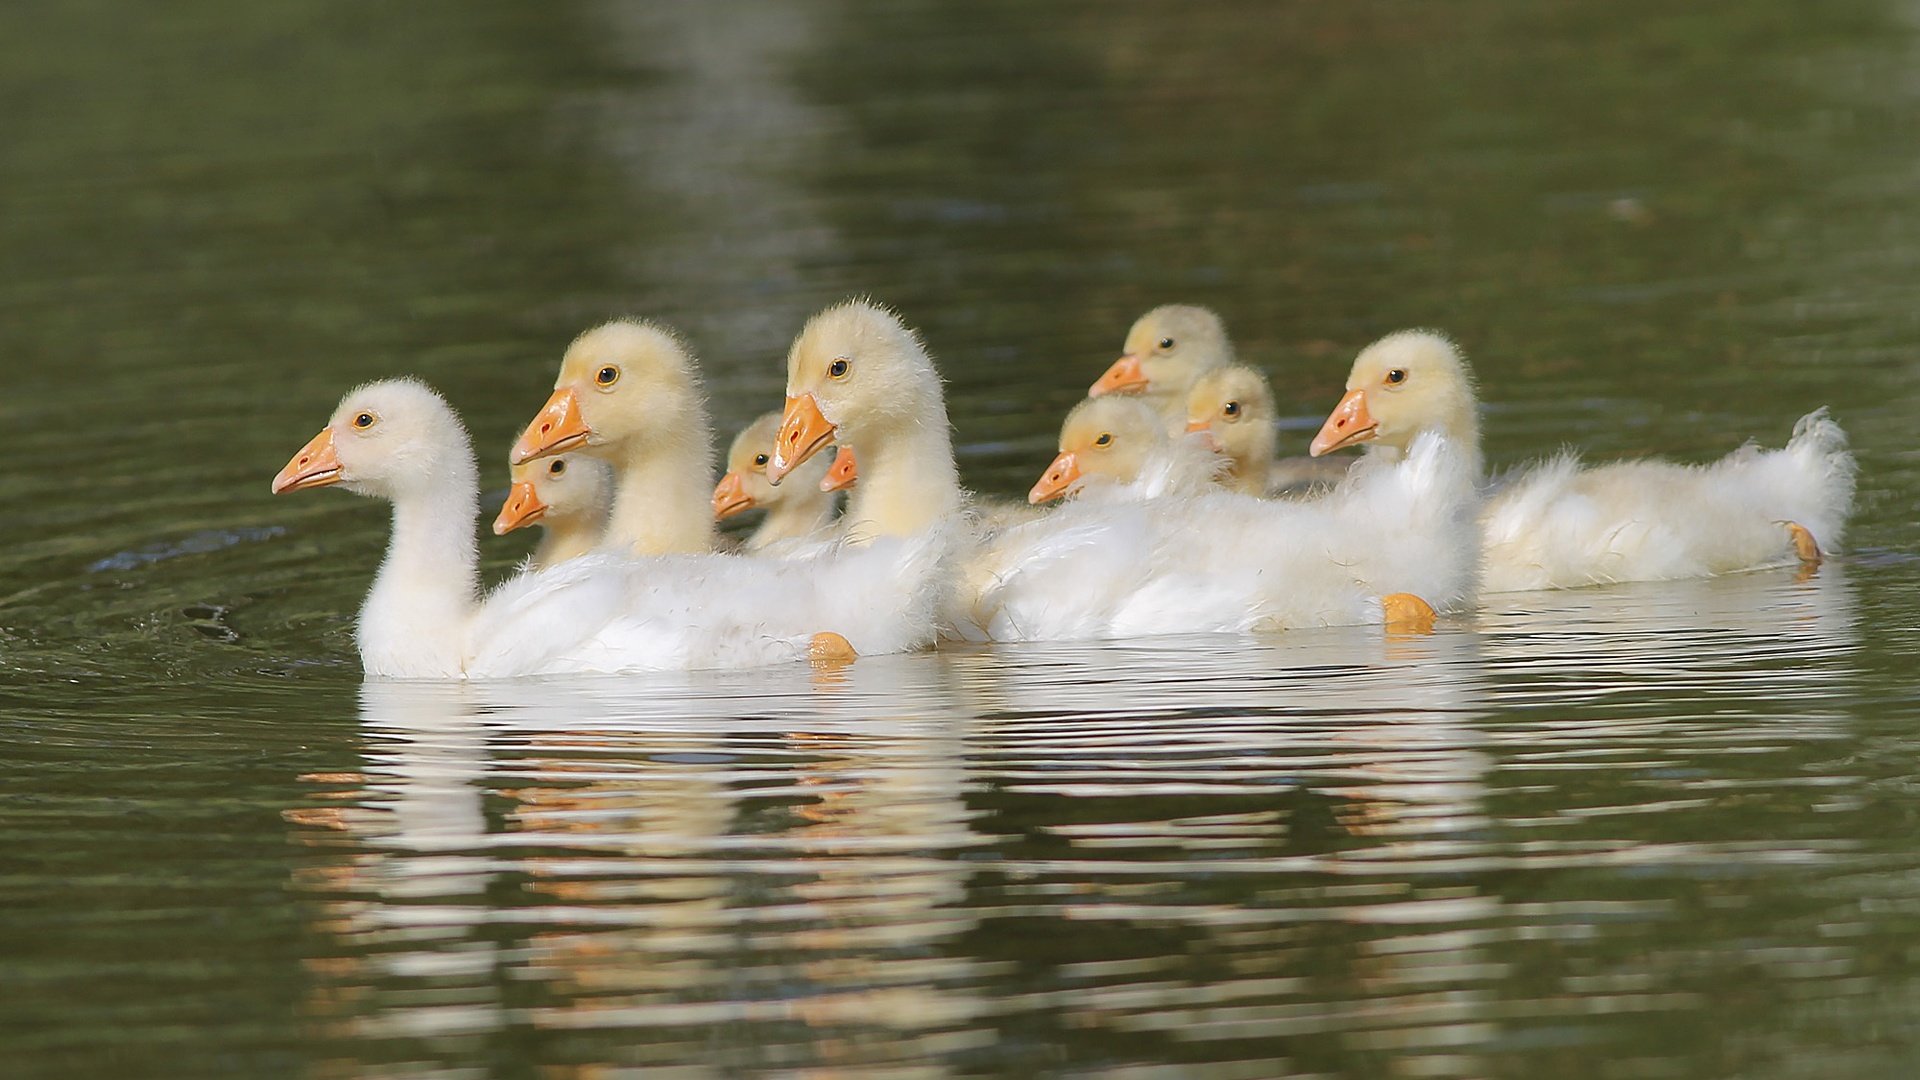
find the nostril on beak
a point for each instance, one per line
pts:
(544, 428)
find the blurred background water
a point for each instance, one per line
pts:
(1658, 831)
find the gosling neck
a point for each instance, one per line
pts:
(413, 624)
(908, 481)
(1461, 429)
(1178, 468)
(664, 504)
(1247, 471)
(566, 538)
(804, 512)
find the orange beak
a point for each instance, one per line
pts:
(730, 497)
(1350, 423)
(843, 473)
(1204, 429)
(316, 465)
(1124, 377)
(557, 428)
(522, 508)
(803, 431)
(1057, 480)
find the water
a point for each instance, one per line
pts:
(1638, 832)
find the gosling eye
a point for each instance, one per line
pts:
(364, 421)
(1166, 343)
(1105, 438)
(1396, 376)
(838, 369)
(1231, 410)
(759, 461)
(558, 468)
(607, 376)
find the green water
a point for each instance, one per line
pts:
(1638, 832)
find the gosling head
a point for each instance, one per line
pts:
(1406, 383)
(1166, 349)
(623, 382)
(556, 492)
(389, 439)
(1231, 408)
(1105, 440)
(856, 374)
(745, 485)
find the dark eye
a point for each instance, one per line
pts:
(1232, 408)
(363, 421)
(607, 376)
(1166, 343)
(838, 369)
(1397, 376)
(759, 460)
(556, 468)
(1105, 438)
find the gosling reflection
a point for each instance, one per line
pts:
(1248, 845)
(1654, 650)
(401, 878)
(1304, 845)
(644, 855)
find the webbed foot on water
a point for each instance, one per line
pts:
(1407, 614)
(830, 650)
(1805, 546)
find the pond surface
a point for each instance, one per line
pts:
(1664, 831)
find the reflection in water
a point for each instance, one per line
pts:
(1290, 853)
(716, 136)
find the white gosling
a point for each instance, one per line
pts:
(1562, 525)
(424, 616)
(629, 394)
(1230, 409)
(856, 375)
(567, 496)
(1117, 447)
(1165, 351)
(803, 507)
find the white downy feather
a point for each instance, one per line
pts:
(1225, 562)
(1563, 525)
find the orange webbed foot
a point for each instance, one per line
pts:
(1407, 614)
(828, 649)
(1806, 547)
